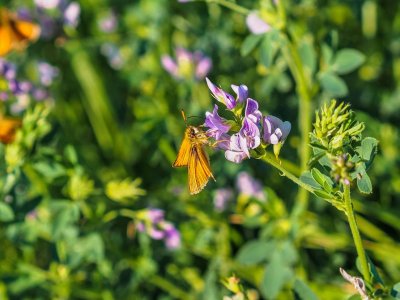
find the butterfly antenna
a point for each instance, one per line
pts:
(184, 117)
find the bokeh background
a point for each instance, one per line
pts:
(83, 201)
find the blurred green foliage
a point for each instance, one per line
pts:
(81, 169)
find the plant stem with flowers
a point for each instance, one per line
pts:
(336, 141)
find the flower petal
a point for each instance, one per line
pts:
(257, 25)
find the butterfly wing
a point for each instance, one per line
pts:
(182, 159)
(199, 169)
(25, 31)
(6, 41)
(8, 127)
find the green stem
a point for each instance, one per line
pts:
(271, 160)
(169, 287)
(356, 234)
(303, 90)
(231, 5)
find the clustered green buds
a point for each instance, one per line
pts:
(341, 168)
(335, 127)
(339, 147)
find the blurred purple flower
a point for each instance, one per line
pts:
(155, 215)
(19, 87)
(217, 125)
(187, 64)
(32, 215)
(275, 130)
(71, 14)
(257, 25)
(222, 197)
(172, 236)
(203, 66)
(47, 73)
(40, 94)
(152, 222)
(3, 96)
(155, 233)
(170, 65)
(249, 186)
(220, 95)
(47, 4)
(113, 55)
(7, 70)
(109, 22)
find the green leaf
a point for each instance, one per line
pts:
(333, 84)
(303, 291)
(308, 179)
(364, 183)
(277, 273)
(268, 48)
(323, 195)
(6, 213)
(308, 56)
(318, 176)
(347, 60)
(327, 54)
(368, 149)
(250, 43)
(255, 252)
(49, 170)
(395, 291)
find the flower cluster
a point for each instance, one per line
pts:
(187, 64)
(152, 222)
(249, 130)
(12, 88)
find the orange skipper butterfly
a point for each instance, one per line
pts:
(193, 155)
(15, 33)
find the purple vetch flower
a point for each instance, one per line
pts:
(217, 125)
(275, 130)
(71, 14)
(187, 64)
(220, 95)
(257, 25)
(47, 73)
(235, 153)
(249, 186)
(252, 112)
(222, 197)
(241, 92)
(249, 136)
